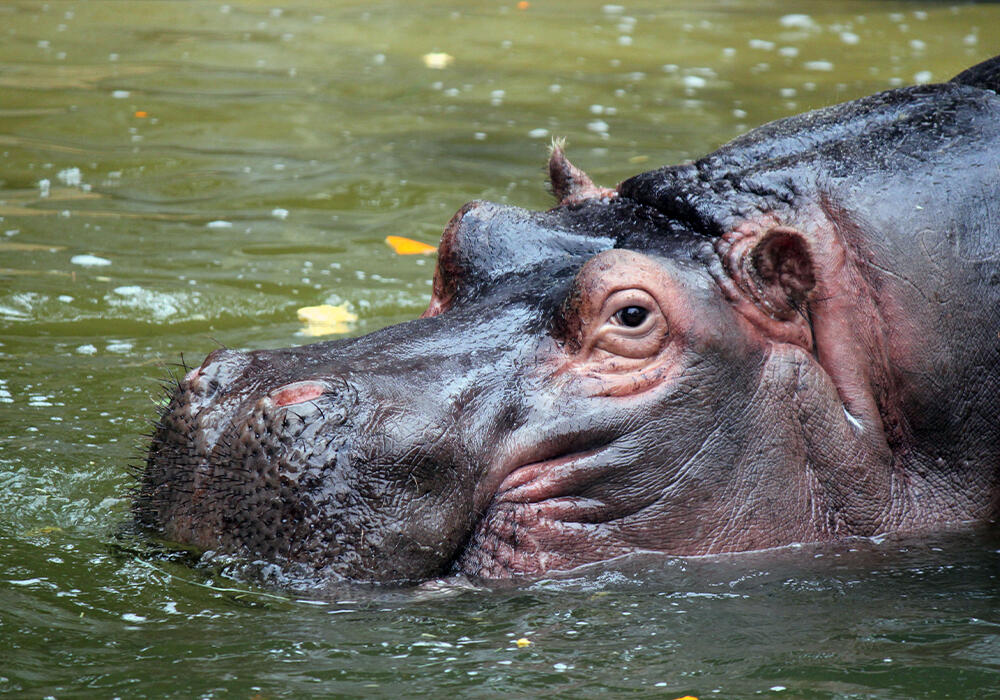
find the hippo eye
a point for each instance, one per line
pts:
(632, 325)
(632, 316)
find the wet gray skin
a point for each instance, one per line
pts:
(793, 339)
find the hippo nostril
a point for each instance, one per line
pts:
(299, 392)
(327, 402)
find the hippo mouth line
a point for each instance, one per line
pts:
(537, 481)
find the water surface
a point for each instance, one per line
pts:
(176, 175)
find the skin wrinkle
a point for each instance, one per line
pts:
(740, 496)
(893, 422)
(822, 510)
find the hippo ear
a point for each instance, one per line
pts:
(768, 276)
(571, 185)
(783, 268)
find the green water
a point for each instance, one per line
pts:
(175, 175)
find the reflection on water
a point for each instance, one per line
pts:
(178, 175)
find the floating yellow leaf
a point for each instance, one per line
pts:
(408, 246)
(44, 530)
(523, 642)
(438, 60)
(326, 319)
(687, 697)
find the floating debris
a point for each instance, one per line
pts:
(326, 319)
(408, 246)
(438, 60)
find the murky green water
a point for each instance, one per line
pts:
(174, 175)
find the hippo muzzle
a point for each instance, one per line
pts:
(793, 339)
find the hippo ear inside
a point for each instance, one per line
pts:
(783, 267)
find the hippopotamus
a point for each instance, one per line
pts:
(794, 339)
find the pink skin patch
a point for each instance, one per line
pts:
(300, 392)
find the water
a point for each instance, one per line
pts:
(175, 175)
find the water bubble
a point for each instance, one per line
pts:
(70, 176)
(818, 65)
(798, 22)
(89, 261)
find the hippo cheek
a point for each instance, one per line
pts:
(636, 382)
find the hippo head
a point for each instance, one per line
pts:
(579, 387)
(680, 365)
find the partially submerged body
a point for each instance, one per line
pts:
(793, 339)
